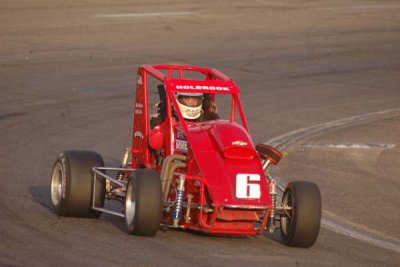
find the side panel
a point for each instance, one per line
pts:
(140, 133)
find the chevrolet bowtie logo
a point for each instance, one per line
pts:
(239, 143)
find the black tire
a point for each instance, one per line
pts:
(300, 227)
(143, 203)
(72, 183)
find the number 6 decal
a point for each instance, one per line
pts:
(248, 186)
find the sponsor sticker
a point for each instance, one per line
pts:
(138, 134)
(181, 143)
(139, 79)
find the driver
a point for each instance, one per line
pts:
(196, 107)
(190, 105)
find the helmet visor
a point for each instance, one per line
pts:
(190, 101)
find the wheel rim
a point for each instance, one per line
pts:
(130, 204)
(57, 184)
(287, 220)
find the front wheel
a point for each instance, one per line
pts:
(301, 222)
(143, 203)
(71, 184)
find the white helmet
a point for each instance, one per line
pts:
(190, 105)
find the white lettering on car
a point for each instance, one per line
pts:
(139, 108)
(202, 87)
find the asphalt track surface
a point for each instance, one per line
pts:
(67, 74)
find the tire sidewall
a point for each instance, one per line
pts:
(65, 189)
(306, 218)
(146, 185)
(288, 236)
(131, 188)
(77, 184)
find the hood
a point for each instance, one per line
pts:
(229, 163)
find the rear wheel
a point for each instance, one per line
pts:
(302, 204)
(72, 184)
(143, 203)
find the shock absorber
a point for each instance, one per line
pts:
(124, 163)
(180, 192)
(120, 175)
(272, 193)
(265, 164)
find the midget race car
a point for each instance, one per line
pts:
(203, 174)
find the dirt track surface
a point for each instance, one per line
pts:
(67, 74)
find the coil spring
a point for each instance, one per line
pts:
(271, 222)
(272, 213)
(176, 214)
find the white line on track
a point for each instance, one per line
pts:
(360, 7)
(350, 146)
(143, 15)
(287, 139)
(361, 233)
(329, 220)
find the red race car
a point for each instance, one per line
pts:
(191, 166)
